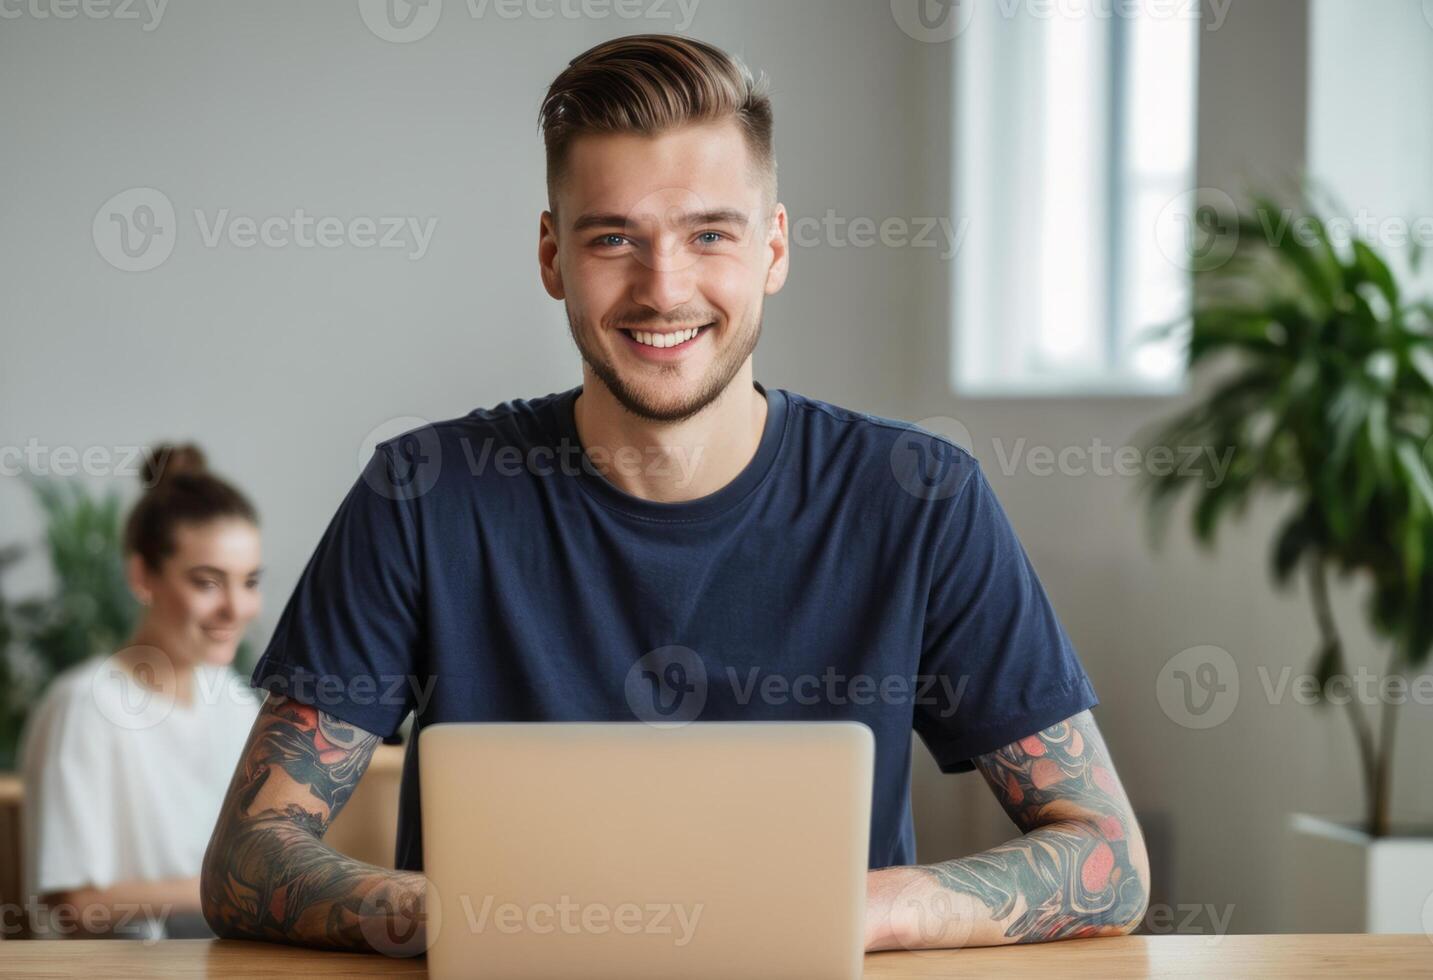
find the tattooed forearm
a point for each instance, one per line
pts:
(1080, 869)
(268, 875)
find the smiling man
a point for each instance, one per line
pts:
(752, 553)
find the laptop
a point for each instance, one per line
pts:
(627, 850)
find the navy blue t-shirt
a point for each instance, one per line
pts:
(483, 569)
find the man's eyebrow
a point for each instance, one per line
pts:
(714, 216)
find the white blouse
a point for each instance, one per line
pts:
(122, 783)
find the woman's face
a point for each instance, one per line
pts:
(205, 594)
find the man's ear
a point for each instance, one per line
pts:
(547, 256)
(779, 246)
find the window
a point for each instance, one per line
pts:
(1074, 163)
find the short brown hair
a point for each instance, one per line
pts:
(649, 83)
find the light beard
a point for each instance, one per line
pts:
(717, 380)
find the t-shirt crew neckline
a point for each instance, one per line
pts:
(773, 434)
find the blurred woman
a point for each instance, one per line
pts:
(127, 756)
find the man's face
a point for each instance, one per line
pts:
(655, 237)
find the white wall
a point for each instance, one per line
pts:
(280, 361)
(1371, 112)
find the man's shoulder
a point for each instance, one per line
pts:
(924, 458)
(516, 419)
(503, 439)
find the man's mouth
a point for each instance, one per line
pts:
(665, 339)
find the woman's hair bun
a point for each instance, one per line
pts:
(167, 460)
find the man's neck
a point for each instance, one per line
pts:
(671, 461)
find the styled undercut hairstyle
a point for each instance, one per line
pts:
(650, 83)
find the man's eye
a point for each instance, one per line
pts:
(713, 237)
(612, 241)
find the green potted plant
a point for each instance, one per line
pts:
(89, 611)
(1328, 406)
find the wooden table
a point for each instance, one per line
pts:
(1126, 956)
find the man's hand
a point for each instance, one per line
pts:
(267, 873)
(1079, 870)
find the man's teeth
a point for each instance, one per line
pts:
(664, 339)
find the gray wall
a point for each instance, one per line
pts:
(282, 360)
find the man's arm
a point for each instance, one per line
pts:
(1079, 870)
(267, 873)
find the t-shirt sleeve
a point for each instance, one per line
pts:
(349, 641)
(996, 662)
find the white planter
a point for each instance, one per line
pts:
(1346, 881)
